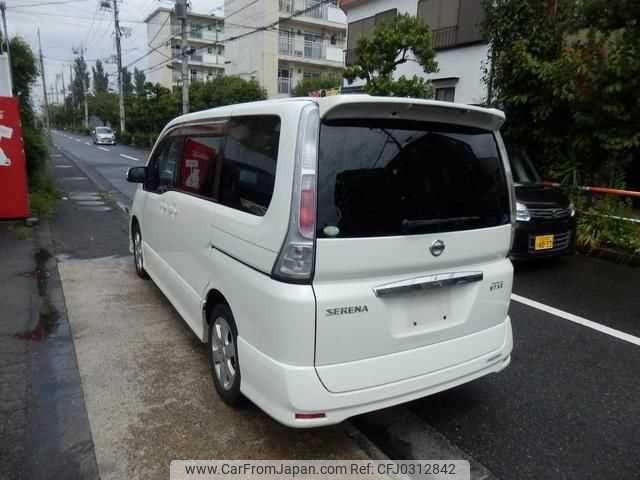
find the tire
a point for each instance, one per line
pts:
(138, 259)
(223, 355)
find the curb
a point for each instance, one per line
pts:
(612, 255)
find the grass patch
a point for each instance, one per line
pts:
(43, 194)
(19, 232)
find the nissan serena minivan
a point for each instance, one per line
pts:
(338, 255)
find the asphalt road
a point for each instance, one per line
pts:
(568, 406)
(109, 162)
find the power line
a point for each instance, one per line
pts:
(241, 9)
(42, 4)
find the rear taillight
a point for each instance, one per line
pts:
(307, 215)
(296, 258)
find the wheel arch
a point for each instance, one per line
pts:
(214, 297)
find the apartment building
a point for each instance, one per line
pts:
(461, 52)
(205, 35)
(308, 41)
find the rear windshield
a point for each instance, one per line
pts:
(103, 130)
(390, 177)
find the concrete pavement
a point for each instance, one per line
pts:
(148, 385)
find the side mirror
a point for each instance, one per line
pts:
(137, 174)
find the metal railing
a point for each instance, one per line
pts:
(286, 45)
(284, 85)
(313, 49)
(311, 8)
(445, 37)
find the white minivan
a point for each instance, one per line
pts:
(338, 255)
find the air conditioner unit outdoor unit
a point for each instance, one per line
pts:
(299, 53)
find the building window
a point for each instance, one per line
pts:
(446, 94)
(210, 50)
(284, 81)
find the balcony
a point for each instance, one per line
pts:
(284, 85)
(200, 35)
(300, 48)
(445, 37)
(317, 10)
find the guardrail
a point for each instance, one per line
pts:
(609, 191)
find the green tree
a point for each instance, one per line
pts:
(567, 75)
(392, 43)
(104, 105)
(139, 80)
(25, 73)
(127, 83)
(307, 85)
(224, 91)
(80, 83)
(100, 78)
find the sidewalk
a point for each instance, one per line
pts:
(44, 429)
(19, 315)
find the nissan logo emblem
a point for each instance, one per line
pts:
(436, 248)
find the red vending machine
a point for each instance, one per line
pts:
(14, 195)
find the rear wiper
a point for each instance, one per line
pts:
(409, 225)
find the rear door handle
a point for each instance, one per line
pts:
(427, 282)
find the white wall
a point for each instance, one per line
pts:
(466, 63)
(256, 54)
(5, 77)
(160, 32)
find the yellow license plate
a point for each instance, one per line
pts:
(544, 242)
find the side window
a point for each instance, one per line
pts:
(161, 171)
(201, 160)
(249, 169)
(167, 164)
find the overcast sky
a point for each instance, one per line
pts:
(82, 22)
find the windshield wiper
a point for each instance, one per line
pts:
(410, 225)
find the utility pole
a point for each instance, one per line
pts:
(181, 14)
(64, 91)
(73, 98)
(119, 54)
(44, 86)
(55, 84)
(3, 7)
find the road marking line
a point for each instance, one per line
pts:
(577, 319)
(77, 140)
(87, 143)
(104, 149)
(129, 157)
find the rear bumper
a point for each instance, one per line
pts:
(282, 390)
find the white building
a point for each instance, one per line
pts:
(308, 41)
(205, 34)
(461, 52)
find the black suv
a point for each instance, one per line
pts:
(545, 217)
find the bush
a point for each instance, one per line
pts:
(123, 137)
(35, 147)
(43, 195)
(601, 225)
